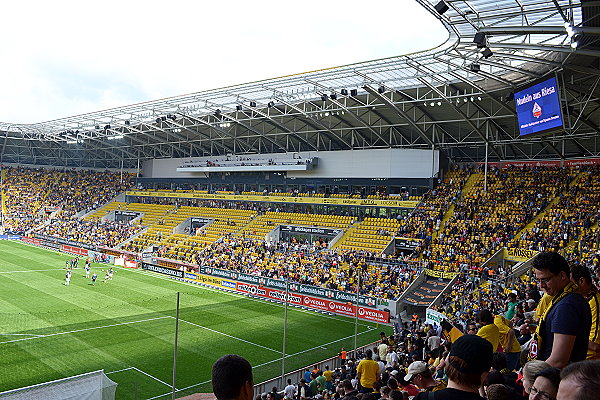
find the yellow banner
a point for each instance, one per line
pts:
(519, 254)
(277, 199)
(440, 274)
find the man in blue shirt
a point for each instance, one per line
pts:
(563, 331)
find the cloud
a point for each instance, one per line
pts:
(71, 57)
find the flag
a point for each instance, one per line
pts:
(3, 203)
(449, 332)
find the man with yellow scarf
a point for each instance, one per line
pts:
(564, 327)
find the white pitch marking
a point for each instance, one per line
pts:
(83, 330)
(153, 377)
(229, 336)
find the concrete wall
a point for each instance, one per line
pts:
(376, 163)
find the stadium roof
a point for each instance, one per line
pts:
(456, 98)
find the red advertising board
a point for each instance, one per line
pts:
(34, 241)
(316, 303)
(74, 250)
(582, 161)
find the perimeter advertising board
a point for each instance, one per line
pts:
(258, 288)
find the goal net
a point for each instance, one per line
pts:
(91, 386)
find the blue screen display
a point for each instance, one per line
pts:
(538, 108)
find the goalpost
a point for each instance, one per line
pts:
(90, 386)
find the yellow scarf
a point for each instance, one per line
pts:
(536, 342)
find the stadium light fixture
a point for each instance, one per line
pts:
(381, 89)
(238, 107)
(441, 7)
(475, 67)
(354, 92)
(252, 104)
(324, 97)
(344, 92)
(333, 96)
(479, 39)
(271, 104)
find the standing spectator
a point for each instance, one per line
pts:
(304, 392)
(580, 381)
(564, 327)
(469, 362)
(581, 276)
(289, 390)
(232, 378)
(328, 374)
(367, 372)
(509, 343)
(511, 305)
(488, 331)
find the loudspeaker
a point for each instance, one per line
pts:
(475, 68)
(479, 38)
(487, 53)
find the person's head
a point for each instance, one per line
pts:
(396, 395)
(393, 383)
(485, 317)
(418, 374)
(512, 297)
(499, 361)
(530, 370)
(270, 396)
(580, 381)
(469, 361)
(498, 391)
(232, 378)
(369, 354)
(385, 392)
(581, 276)
(545, 385)
(471, 329)
(347, 384)
(551, 271)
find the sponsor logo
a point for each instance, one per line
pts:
(228, 284)
(537, 110)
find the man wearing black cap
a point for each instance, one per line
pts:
(468, 364)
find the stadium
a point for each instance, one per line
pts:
(292, 219)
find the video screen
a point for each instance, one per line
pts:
(538, 108)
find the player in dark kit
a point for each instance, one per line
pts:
(94, 276)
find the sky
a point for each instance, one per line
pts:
(63, 58)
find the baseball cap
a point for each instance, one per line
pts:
(475, 351)
(415, 368)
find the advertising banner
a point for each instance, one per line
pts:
(74, 250)
(432, 316)
(539, 108)
(10, 237)
(307, 229)
(522, 255)
(276, 199)
(440, 274)
(29, 240)
(163, 270)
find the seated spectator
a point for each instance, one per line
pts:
(232, 378)
(530, 370)
(580, 381)
(420, 375)
(545, 385)
(469, 362)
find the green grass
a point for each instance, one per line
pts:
(126, 326)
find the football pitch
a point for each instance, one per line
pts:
(126, 327)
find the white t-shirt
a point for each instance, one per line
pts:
(290, 391)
